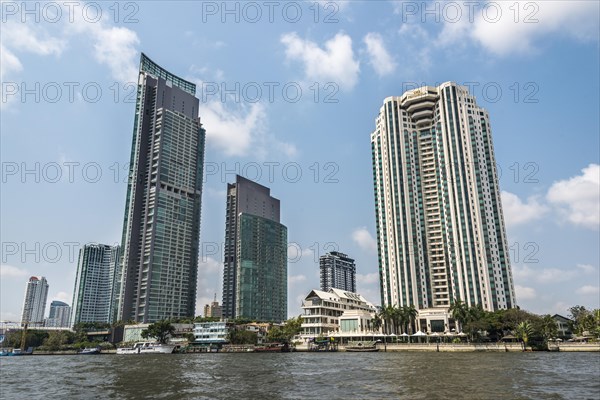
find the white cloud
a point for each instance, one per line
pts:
(209, 265)
(333, 63)
(112, 46)
(242, 130)
(417, 48)
(115, 48)
(578, 198)
(334, 6)
(381, 61)
(587, 290)
(504, 28)
(525, 273)
(23, 37)
(9, 63)
(233, 132)
(296, 279)
(525, 293)
(587, 269)
(368, 279)
(517, 212)
(8, 271)
(364, 240)
(64, 297)
(512, 34)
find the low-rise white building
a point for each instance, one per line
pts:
(211, 332)
(324, 311)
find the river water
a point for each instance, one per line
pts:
(304, 376)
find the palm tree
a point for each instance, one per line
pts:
(548, 327)
(386, 315)
(410, 316)
(397, 318)
(376, 322)
(459, 311)
(524, 331)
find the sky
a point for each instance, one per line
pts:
(289, 93)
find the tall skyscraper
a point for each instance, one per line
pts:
(337, 271)
(255, 260)
(34, 304)
(96, 284)
(161, 229)
(440, 228)
(60, 315)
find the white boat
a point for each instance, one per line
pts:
(147, 348)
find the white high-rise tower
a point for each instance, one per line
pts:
(440, 228)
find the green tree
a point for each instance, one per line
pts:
(33, 338)
(410, 316)
(387, 314)
(376, 321)
(459, 311)
(242, 336)
(524, 331)
(160, 330)
(546, 327)
(285, 333)
(56, 340)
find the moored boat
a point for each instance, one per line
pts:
(90, 350)
(147, 348)
(361, 347)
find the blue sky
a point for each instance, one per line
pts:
(67, 117)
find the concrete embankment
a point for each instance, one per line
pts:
(66, 352)
(574, 346)
(452, 347)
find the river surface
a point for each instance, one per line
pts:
(304, 376)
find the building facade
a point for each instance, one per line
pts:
(34, 304)
(213, 310)
(255, 255)
(322, 312)
(161, 228)
(96, 284)
(208, 333)
(59, 315)
(337, 270)
(440, 227)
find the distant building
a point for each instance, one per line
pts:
(60, 315)
(323, 311)
(211, 332)
(337, 271)
(34, 304)
(213, 310)
(133, 333)
(563, 325)
(96, 284)
(255, 259)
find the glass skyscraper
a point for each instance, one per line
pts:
(255, 266)
(161, 229)
(95, 296)
(440, 228)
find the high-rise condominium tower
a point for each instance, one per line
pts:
(97, 284)
(34, 304)
(161, 227)
(337, 271)
(440, 229)
(255, 267)
(60, 315)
